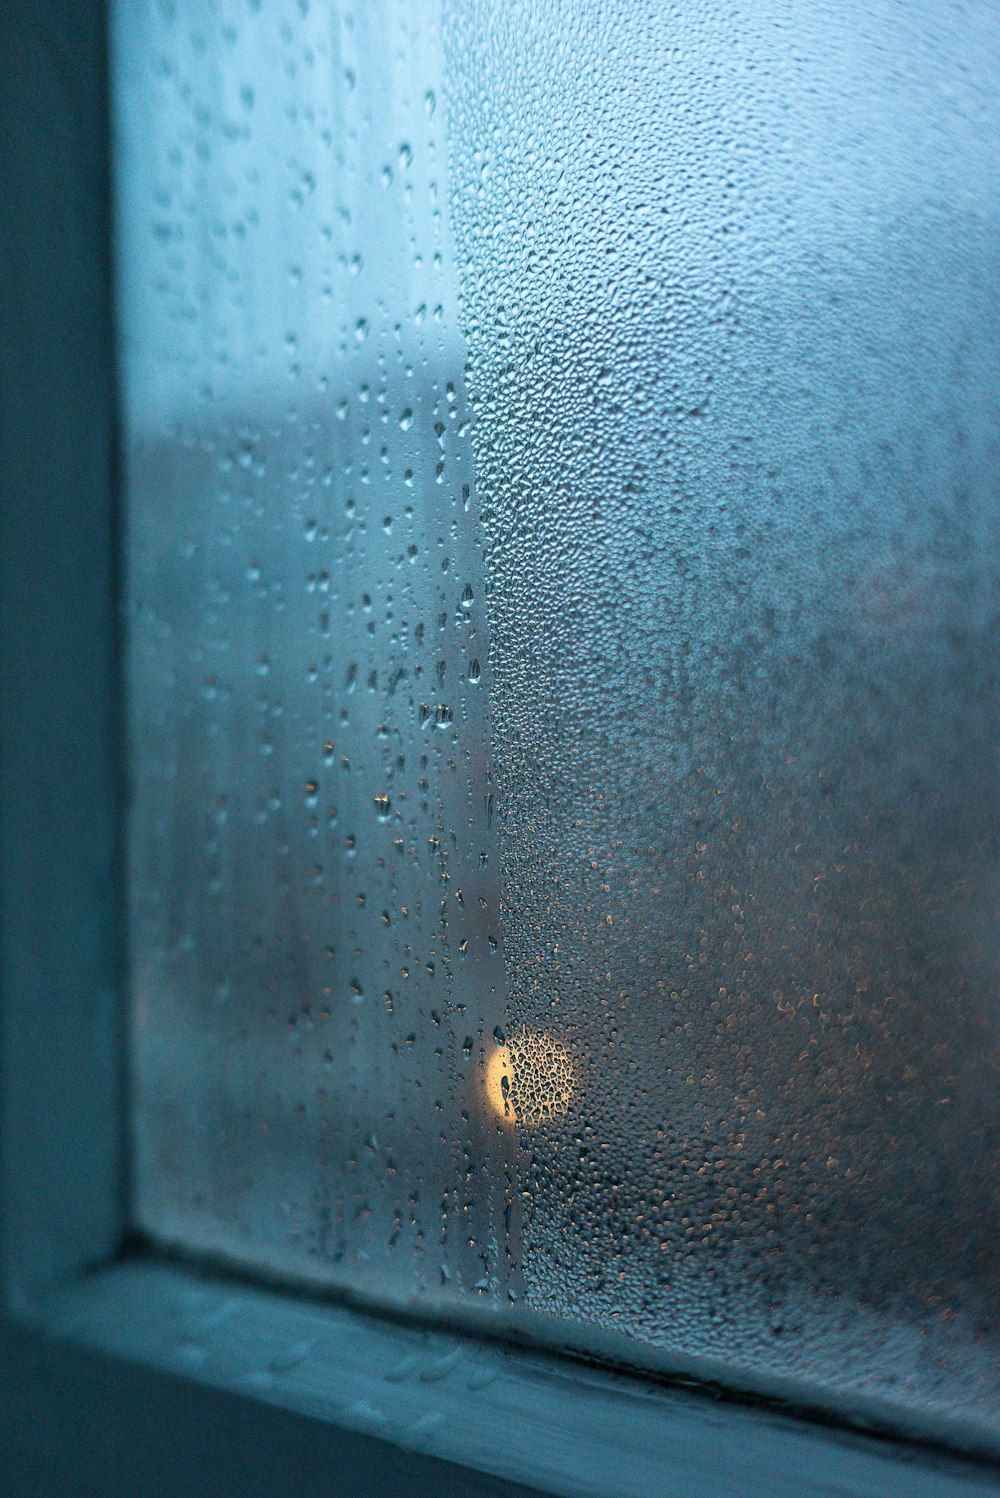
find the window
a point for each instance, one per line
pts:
(559, 588)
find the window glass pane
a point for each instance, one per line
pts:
(315, 911)
(661, 343)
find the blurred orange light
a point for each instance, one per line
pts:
(530, 1080)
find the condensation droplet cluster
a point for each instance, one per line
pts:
(561, 462)
(316, 948)
(529, 1079)
(729, 282)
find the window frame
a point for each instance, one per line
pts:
(120, 1371)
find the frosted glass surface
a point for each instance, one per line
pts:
(564, 603)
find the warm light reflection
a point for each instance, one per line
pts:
(498, 1084)
(529, 1080)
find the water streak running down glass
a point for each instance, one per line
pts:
(563, 491)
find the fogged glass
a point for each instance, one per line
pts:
(314, 871)
(632, 970)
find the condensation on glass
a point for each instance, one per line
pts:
(636, 962)
(314, 872)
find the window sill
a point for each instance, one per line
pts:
(339, 1393)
